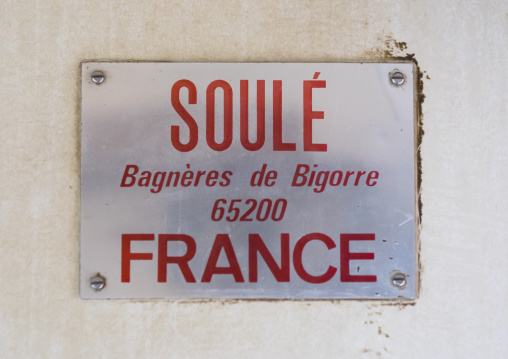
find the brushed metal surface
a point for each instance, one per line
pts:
(368, 125)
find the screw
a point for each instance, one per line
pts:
(399, 280)
(97, 282)
(98, 77)
(397, 78)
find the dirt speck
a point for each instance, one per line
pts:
(380, 332)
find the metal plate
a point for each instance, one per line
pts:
(330, 121)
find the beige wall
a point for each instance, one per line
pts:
(462, 311)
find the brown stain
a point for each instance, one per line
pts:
(399, 305)
(392, 44)
(388, 47)
(380, 332)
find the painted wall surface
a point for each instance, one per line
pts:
(461, 312)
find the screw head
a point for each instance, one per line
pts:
(399, 280)
(97, 282)
(397, 78)
(98, 77)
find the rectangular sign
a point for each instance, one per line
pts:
(248, 180)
